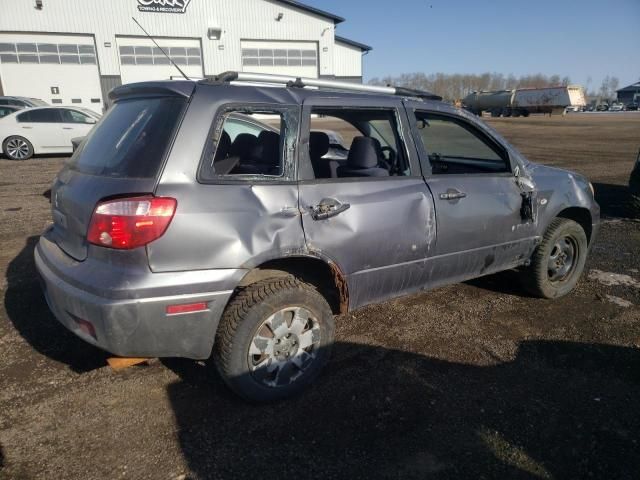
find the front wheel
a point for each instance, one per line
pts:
(17, 148)
(558, 261)
(274, 338)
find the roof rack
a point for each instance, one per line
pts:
(301, 82)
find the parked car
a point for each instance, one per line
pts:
(177, 234)
(634, 187)
(7, 110)
(603, 107)
(631, 107)
(42, 130)
(616, 107)
(23, 102)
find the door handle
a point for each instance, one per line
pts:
(67, 128)
(452, 194)
(327, 208)
(27, 128)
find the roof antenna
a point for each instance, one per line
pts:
(161, 49)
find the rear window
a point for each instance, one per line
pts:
(131, 139)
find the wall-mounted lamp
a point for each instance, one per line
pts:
(38, 4)
(279, 17)
(214, 33)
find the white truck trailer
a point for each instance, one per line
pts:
(524, 101)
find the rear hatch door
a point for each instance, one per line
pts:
(122, 156)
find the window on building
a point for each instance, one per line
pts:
(293, 57)
(143, 55)
(47, 53)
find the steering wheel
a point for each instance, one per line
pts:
(390, 158)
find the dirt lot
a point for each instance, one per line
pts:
(468, 381)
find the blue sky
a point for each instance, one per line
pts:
(578, 38)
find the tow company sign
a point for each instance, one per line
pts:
(163, 6)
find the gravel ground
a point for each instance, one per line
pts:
(469, 381)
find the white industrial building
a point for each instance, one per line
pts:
(72, 52)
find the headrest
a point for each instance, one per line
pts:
(243, 145)
(318, 144)
(363, 153)
(269, 145)
(224, 144)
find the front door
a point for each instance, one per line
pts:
(371, 213)
(478, 201)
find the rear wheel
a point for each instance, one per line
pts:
(558, 261)
(17, 148)
(274, 339)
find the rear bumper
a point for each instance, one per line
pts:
(126, 315)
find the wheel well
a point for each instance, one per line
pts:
(582, 216)
(326, 277)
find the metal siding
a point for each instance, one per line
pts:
(108, 83)
(239, 19)
(348, 61)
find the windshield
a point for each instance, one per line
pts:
(131, 139)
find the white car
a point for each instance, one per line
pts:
(39, 130)
(616, 107)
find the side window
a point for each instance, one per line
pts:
(72, 116)
(45, 115)
(24, 117)
(347, 143)
(248, 142)
(456, 147)
(236, 125)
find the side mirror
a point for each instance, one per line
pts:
(422, 124)
(91, 121)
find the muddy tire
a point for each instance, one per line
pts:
(17, 148)
(274, 338)
(558, 262)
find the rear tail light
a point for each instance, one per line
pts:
(127, 223)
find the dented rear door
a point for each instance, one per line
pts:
(384, 228)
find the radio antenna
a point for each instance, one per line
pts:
(161, 49)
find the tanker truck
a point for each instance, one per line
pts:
(524, 101)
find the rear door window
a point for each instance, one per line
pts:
(45, 115)
(132, 139)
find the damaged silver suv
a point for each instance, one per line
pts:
(231, 219)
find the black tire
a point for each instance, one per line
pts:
(537, 278)
(16, 147)
(244, 318)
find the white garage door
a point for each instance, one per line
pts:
(59, 69)
(141, 60)
(281, 58)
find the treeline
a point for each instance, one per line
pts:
(457, 86)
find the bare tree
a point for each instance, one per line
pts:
(457, 86)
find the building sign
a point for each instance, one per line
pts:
(163, 6)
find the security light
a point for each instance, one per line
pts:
(214, 33)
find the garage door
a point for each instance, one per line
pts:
(59, 69)
(281, 58)
(141, 60)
